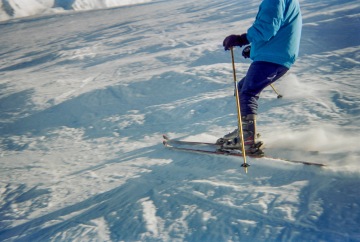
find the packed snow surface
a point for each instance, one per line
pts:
(86, 96)
(10, 9)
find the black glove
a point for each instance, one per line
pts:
(235, 40)
(246, 52)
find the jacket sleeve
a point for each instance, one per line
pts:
(268, 21)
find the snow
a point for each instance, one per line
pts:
(10, 9)
(86, 96)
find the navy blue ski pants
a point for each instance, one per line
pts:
(260, 75)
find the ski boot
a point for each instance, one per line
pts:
(233, 141)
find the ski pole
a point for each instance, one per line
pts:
(241, 135)
(278, 95)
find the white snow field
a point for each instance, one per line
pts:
(10, 9)
(86, 96)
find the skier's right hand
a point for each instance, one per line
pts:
(235, 40)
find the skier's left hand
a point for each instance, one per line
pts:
(246, 52)
(235, 40)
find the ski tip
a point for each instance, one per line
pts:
(166, 144)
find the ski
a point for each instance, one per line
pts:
(200, 143)
(171, 144)
(210, 152)
(183, 142)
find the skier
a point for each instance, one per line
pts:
(275, 38)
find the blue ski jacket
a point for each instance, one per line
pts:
(275, 34)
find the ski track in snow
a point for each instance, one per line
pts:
(85, 98)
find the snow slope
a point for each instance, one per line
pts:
(10, 9)
(85, 98)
